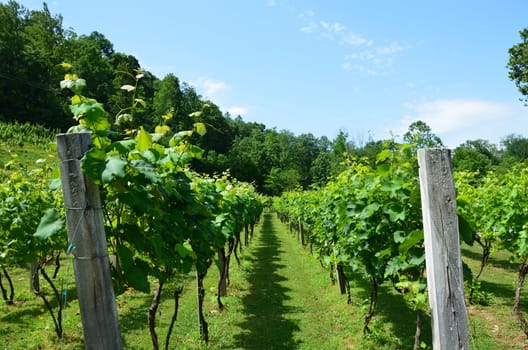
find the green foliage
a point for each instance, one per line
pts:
(518, 64)
(475, 156)
(32, 45)
(495, 207)
(368, 219)
(17, 135)
(421, 135)
(480, 296)
(515, 148)
(25, 198)
(51, 223)
(279, 181)
(161, 217)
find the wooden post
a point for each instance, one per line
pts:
(34, 284)
(341, 278)
(442, 251)
(87, 240)
(301, 231)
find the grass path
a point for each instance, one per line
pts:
(290, 304)
(279, 298)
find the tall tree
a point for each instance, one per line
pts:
(280, 180)
(322, 168)
(476, 156)
(515, 148)
(518, 65)
(219, 135)
(32, 44)
(242, 128)
(421, 135)
(168, 96)
(12, 78)
(248, 160)
(90, 57)
(191, 102)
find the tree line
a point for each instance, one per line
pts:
(33, 44)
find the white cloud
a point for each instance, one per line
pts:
(310, 28)
(311, 25)
(307, 14)
(237, 110)
(458, 120)
(160, 71)
(451, 115)
(365, 56)
(334, 31)
(375, 60)
(209, 87)
(215, 91)
(354, 39)
(271, 3)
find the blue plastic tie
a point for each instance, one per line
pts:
(70, 248)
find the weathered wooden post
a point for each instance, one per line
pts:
(301, 231)
(87, 240)
(442, 251)
(340, 277)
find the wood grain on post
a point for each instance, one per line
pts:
(442, 251)
(87, 240)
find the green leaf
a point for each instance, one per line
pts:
(55, 184)
(92, 114)
(65, 65)
(50, 224)
(179, 137)
(195, 151)
(200, 128)
(140, 101)
(411, 240)
(466, 231)
(75, 85)
(115, 167)
(399, 236)
(383, 169)
(135, 271)
(94, 163)
(136, 276)
(392, 185)
(126, 257)
(383, 155)
(144, 140)
(124, 146)
(183, 250)
(162, 129)
(147, 170)
(369, 210)
(396, 213)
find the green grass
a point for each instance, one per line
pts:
(494, 326)
(21, 145)
(279, 298)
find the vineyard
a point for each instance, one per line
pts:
(266, 273)
(161, 219)
(368, 222)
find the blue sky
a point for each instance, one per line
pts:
(369, 68)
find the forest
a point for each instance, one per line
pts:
(34, 44)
